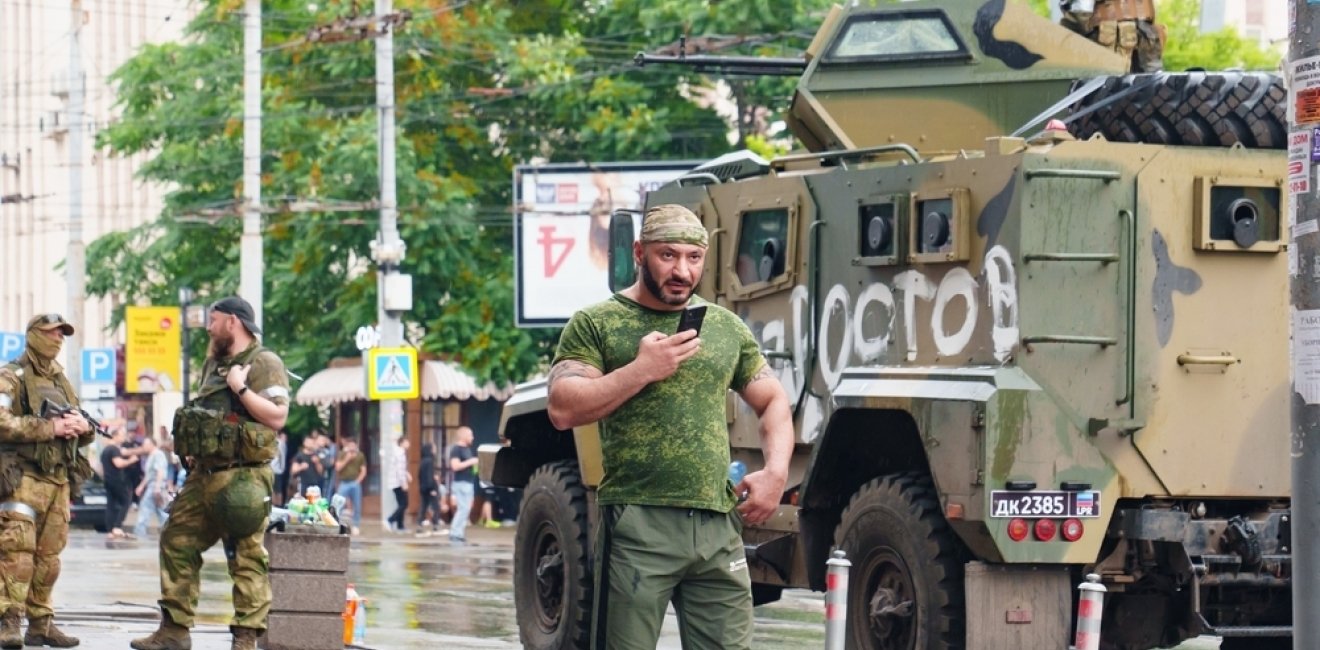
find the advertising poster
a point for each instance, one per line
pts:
(561, 231)
(152, 361)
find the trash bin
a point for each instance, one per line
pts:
(308, 579)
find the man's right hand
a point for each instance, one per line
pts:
(659, 354)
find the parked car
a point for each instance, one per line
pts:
(88, 510)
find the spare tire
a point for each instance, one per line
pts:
(1207, 109)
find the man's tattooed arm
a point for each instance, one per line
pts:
(569, 368)
(764, 373)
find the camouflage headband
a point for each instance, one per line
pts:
(673, 224)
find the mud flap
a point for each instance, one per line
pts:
(1018, 606)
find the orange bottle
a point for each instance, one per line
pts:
(350, 613)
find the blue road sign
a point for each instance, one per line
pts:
(98, 366)
(393, 373)
(11, 344)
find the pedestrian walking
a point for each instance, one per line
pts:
(115, 464)
(228, 429)
(399, 480)
(428, 486)
(41, 468)
(669, 529)
(153, 491)
(306, 470)
(463, 482)
(326, 453)
(351, 469)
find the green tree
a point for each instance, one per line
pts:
(479, 86)
(1186, 47)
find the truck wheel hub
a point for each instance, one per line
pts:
(549, 581)
(891, 605)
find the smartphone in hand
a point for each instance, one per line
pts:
(691, 318)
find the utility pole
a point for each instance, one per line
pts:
(250, 253)
(388, 250)
(75, 270)
(1304, 265)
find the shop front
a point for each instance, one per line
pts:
(449, 398)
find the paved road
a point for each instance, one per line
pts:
(424, 594)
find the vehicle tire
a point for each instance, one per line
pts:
(552, 581)
(1208, 109)
(765, 594)
(905, 559)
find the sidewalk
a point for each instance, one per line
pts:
(374, 532)
(106, 595)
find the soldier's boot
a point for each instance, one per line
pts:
(11, 637)
(245, 638)
(42, 631)
(169, 636)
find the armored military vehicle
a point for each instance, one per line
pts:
(1013, 361)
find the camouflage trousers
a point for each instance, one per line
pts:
(191, 529)
(30, 550)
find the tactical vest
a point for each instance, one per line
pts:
(215, 429)
(57, 460)
(1120, 11)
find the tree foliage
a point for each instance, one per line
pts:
(1186, 47)
(480, 87)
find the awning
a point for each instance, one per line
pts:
(445, 380)
(332, 386)
(441, 380)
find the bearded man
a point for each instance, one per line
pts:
(226, 434)
(670, 518)
(41, 468)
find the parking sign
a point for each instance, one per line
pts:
(11, 344)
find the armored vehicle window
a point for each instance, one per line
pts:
(1244, 215)
(876, 225)
(762, 245)
(1235, 214)
(901, 36)
(936, 226)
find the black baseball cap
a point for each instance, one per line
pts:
(240, 309)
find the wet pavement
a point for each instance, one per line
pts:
(423, 592)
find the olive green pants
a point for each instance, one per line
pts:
(193, 527)
(30, 550)
(648, 556)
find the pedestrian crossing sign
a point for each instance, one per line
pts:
(392, 373)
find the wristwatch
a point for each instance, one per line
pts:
(242, 390)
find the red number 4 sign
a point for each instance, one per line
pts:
(551, 244)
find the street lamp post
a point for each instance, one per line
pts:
(185, 299)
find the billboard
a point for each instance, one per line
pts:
(561, 231)
(152, 360)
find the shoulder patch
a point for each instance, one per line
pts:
(9, 379)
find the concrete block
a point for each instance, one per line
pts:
(303, 552)
(291, 631)
(300, 591)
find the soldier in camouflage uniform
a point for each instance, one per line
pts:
(40, 467)
(669, 530)
(1125, 26)
(227, 434)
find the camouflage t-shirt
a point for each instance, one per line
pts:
(669, 444)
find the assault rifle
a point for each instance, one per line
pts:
(50, 410)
